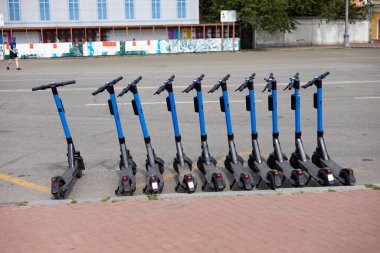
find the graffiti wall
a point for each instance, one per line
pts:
(99, 48)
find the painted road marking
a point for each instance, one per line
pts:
(177, 86)
(360, 98)
(179, 102)
(24, 183)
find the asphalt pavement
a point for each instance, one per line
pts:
(33, 147)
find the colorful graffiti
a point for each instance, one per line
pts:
(98, 48)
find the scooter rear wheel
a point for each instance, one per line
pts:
(60, 194)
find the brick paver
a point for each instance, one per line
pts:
(308, 222)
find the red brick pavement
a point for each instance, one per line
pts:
(308, 222)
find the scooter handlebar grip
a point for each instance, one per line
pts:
(226, 77)
(96, 92)
(242, 86)
(138, 79)
(325, 74)
(115, 80)
(125, 90)
(69, 82)
(160, 89)
(42, 87)
(171, 78)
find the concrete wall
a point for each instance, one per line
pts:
(59, 12)
(314, 32)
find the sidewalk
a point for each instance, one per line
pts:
(303, 222)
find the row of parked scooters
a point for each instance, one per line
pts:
(278, 171)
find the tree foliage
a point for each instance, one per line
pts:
(278, 15)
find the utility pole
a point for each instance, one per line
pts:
(346, 37)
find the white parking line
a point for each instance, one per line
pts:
(183, 87)
(179, 102)
(360, 98)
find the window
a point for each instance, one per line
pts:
(44, 10)
(14, 10)
(102, 9)
(181, 8)
(74, 9)
(129, 9)
(156, 12)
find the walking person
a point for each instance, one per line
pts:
(13, 53)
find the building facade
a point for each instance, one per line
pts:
(59, 28)
(47, 21)
(85, 13)
(375, 21)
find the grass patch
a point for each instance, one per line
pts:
(73, 201)
(23, 203)
(114, 201)
(372, 186)
(331, 190)
(152, 197)
(279, 193)
(105, 199)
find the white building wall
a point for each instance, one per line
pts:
(314, 32)
(88, 14)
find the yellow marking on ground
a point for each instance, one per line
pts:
(24, 183)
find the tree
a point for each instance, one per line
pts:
(278, 15)
(268, 15)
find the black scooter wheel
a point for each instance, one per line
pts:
(175, 166)
(251, 164)
(315, 159)
(240, 159)
(80, 165)
(60, 194)
(227, 164)
(200, 165)
(161, 168)
(293, 161)
(271, 161)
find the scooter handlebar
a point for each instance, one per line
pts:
(216, 86)
(162, 87)
(320, 77)
(245, 84)
(292, 80)
(106, 85)
(53, 85)
(269, 81)
(130, 85)
(191, 86)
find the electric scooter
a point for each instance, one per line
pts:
(277, 159)
(269, 178)
(182, 164)
(243, 179)
(320, 156)
(206, 162)
(299, 158)
(62, 185)
(154, 165)
(127, 182)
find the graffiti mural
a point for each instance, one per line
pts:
(99, 48)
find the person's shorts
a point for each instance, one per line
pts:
(13, 55)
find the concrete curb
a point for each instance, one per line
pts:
(179, 196)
